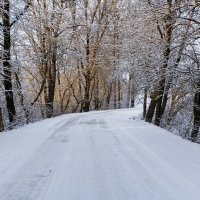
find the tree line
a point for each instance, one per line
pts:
(64, 56)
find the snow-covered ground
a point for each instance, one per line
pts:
(107, 155)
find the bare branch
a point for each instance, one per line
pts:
(17, 17)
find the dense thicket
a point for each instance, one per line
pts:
(63, 56)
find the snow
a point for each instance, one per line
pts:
(106, 155)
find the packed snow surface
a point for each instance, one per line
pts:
(107, 155)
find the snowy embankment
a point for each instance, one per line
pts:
(106, 155)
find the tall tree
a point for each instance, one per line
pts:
(7, 24)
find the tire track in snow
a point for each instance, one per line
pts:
(40, 169)
(166, 177)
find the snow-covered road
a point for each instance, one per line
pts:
(97, 156)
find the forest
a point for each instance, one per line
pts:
(67, 56)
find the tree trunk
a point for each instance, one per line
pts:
(108, 96)
(196, 115)
(86, 106)
(119, 94)
(158, 111)
(150, 111)
(96, 90)
(145, 103)
(132, 96)
(6, 63)
(129, 92)
(51, 85)
(1, 120)
(21, 98)
(115, 94)
(159, 101)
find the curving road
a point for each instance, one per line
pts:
(97, 156)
